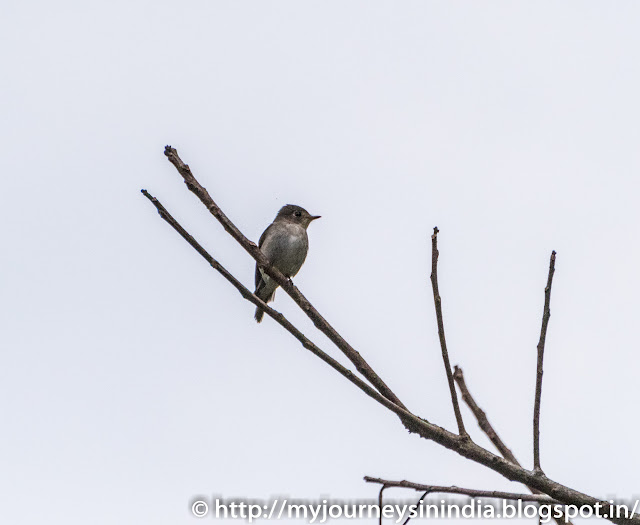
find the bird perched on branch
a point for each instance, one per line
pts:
(285, 244)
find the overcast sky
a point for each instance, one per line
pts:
(134, 378)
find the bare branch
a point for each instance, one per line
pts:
(481, 417)
(380, 503)
(424, 495)
(474, 493)
(320, 322)
(543, 334)
(443, 343)
(459, 444)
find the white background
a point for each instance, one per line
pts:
(133, 377)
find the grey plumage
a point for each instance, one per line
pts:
(285, 243)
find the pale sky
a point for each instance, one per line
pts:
(134, 378)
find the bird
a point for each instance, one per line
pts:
(285, 244)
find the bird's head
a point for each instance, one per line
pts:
(296, 215)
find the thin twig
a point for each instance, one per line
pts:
(424, 495)
(287, 285)
(380, 504)
(443, 343)
(543, 334)
(487, 428)
(474, 493)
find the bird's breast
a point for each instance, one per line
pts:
(286, 247)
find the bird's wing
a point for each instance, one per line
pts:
(258, 278)
(260, 243)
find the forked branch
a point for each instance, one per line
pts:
(277, 316)
(456, 442)
(320, 322)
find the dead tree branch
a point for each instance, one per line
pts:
(474, 493)
(424, 495)
(481, 417)
(443, 343)
(380, 502)
(543, 335)
(274, 314)
(460, 444)
(287, 285)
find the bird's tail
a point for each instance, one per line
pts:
(260, 292)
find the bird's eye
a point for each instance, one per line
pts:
(297, 213)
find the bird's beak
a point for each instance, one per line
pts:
(314, 217)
